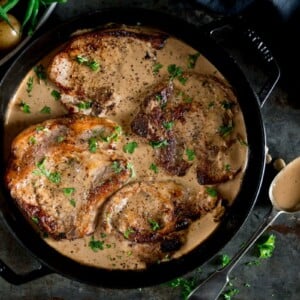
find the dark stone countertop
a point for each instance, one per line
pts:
(275, 278)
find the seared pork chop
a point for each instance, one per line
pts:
(160, 228)
(62, 171)
(193, 123)
(87, 69)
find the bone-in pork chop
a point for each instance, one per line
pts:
(62, 170)
(88, 68)
(193, 123)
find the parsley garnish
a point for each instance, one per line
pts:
(227, 168)
(54, 177)
(176, 72)
(190, 154)
(224, 260)
(156, 68)
(227, 104)
(96, 245)
(267, 246)
(73, 202)
(168, 125)
(154, 168)
(225, 130)
(130, 167)
(92, 64)
(60, 138)
(32, 140)
(159, 144)
(93, 145)
(68, 191)
(112, 137)
(186, 285)
(230, 292)
(25, 107)
(130, 147)
(192, 59)
(116, 166)
(84, 105)
(128, 232)
(40, 72)
(211, 192)
(35, 219)
(45, 110)
(153, 224)
(29, 85)
(56, 95)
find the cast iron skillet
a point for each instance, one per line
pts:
(52, 261)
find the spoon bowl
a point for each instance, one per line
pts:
(284, 194)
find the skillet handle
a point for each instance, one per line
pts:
(17, 279)
(239, 32)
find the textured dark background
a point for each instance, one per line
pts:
(278, 278)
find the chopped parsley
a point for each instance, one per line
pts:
(54, 177)
(32, 140)
(266, 246)
(168, 125)
(190, 154)
(96, 245)
(116, 167)
(153, 224)
(29, 85)
(25, 107)
(130, 147)
(40, 72)
(154, 168)
(227, 104)
(225, 130)
(242, 142)
(73, 202)
(35, 219)
(113, 136)
(186, 286)
(230, 292)
(68, 191)
(45, 110)
(227, 167)
(84, 105)
(158, 97)
(192, 59)
(92, 64)
(93, 145)
(130, 167)
(56, 95)
(211, 192)
(60, 138)
(156, 68)
(224, 260)
(128, 232)
(159, 144)
(176, 72)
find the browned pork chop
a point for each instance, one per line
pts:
(88, 68)
(160, 228)
(193, 122)
(62, 170)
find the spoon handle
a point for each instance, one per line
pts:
(212, 287)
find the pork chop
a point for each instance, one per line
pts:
(62, 170)
(161, 228)
(193, 124)
(87, 69)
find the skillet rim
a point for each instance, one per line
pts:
(236, 215)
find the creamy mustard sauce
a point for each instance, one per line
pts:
(117, 253)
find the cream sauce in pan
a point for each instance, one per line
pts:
(117, 253)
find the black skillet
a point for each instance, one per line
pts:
(200, 39)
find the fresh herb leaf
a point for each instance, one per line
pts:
(60, 138)
(153, 224)
(168, 125)
(35, 220)
(45, 110)
(40, 72)
(159, 144)
(227, 104)
(267, 246)
(68, 191)
(186, 285)
(156, 68)
(130, 147)
(225, 130)
(128, 232)
(176, 72)
(32, 140)
(116, 167)
(93, 145)
(130, 167)
(190, 154)
(154, 168)
(212, 192)
(84, 105)
(230, 292)
(192, 59)
(96, 245)
(25, 107)
(29, 85)
(92, 64)
(56, 95)
(224, 260)
(227, 167)
(54, 177)
(113, 136)
(73, 202)
(242, 142)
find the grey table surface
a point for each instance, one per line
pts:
(275, 278)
